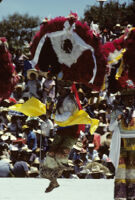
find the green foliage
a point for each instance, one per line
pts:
(110, 14)
(18, 29)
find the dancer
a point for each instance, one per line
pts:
(8, 76)
(122, 124)
(57, 158)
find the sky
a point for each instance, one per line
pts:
(46, 8)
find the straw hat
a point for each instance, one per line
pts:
(78, 146)
(36, 161)
(21, 101)
(96, 169)
(25, 148)
(70, 163)
(1, 133)
(96, 158)
(33, 170)
(32, 71)
(3, 157)
(85, 171)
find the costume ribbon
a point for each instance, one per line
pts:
(80, 117)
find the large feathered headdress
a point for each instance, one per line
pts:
(71, 49)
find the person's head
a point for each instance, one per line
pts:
(91, 147)
(18, 52)
(32, 74)
(3, 147)
(49, 76)
(19, 89)
(26, 129)
(23, 156)
(13, 119)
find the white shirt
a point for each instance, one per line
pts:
(46, 127)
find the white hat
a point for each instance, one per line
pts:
(38, 131)
(4, 137)
(85, 171)
(21, 101)
(90, 145)
(129, 26)
(13, 148)
(118, 25)
(11, 137)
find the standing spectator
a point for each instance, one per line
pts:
(32, 85)
(2, 125)
(13, 126)
(19, 61)
(31, 138)
(49, 88)
(47, 127)
(91, 152)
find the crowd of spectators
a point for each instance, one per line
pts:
(118, 30)
(24, 141)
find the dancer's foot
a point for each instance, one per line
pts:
(52, 185)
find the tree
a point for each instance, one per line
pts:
(111, 14)
(18, 29)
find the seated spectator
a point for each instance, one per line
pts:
(33, 172)
(97, 141)
(13, 126)
(14, 153)
(98, 170)
(5, 162)
(19, 61)
(4, 115)
(91, 152)
(3, 126)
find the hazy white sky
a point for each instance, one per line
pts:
(47, 8)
